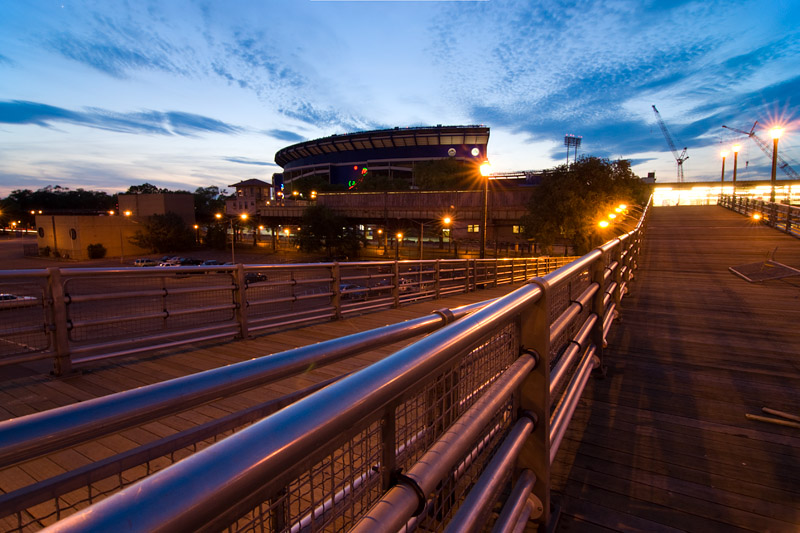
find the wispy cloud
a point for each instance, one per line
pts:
(247, 161)
(285, 135)
(145, 122)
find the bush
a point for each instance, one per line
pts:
(44, 252)
(96, 251)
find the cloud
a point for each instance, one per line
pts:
(146, 122)
(284, 135)
(246, 161)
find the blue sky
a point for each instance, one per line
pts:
(185, 94)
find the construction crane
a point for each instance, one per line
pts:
(767, 149)
(680, 158)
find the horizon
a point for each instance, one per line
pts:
(190, 94)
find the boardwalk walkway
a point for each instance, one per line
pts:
(662, 443)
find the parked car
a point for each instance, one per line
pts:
(145, 263)
(211, 262)
(254, 277)
(173, 262)
(350, 291)
(8, 301)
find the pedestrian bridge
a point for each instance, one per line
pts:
(531, 409)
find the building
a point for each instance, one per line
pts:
(68, 236)
(350, 158)
(250, 195)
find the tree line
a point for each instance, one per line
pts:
(564, 208)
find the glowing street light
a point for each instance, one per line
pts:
(776, 134)
(603, 223)
(446, 221)
(735, 148)
(399, 237)
(724, 154)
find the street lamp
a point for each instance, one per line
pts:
(243, 216)
(121, 246)
(486, 169)
(399, 238)
(724, 154)
(776, 134)
(446, 221)
(736, 148)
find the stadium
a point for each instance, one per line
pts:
(348, 159)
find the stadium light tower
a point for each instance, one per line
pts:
(571, 140)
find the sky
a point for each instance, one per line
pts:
(183, 94)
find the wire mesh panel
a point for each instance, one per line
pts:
(23, 316)
(560, 298)
(280, 292)
(108, 307)
(331, 493)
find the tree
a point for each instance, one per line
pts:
(207, 202)
(322, 228)
(307, 184)
(145, 188)
(571, 199)
(164, 233)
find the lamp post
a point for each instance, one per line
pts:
(446, 221)
(421, 239)
(399, 237)
(736, 148)
(724, 154)
(121, 248)
(776, 134)
(243, 216)
(486, 169)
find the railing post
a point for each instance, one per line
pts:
(241, 301)
(496, 272)
(535, 396)
(788, 219)
(438, 277)
(597, 273)
(388, 444)
(336, 288)
(396, 278)
(59, 331)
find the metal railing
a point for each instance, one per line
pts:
(78, 315)
(782, 217)
(428, 437)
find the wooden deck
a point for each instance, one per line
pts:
(26, 389)
(662, 443)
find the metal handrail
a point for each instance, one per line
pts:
(28, 437)
(62, 293)
(213, 487)
(782, 217)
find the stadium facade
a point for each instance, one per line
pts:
(350, 158)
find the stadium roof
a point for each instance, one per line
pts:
(389, 138)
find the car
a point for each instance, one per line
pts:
(254, 277)
(145, 263)
(211, 262)
(8, 301)
(170, 263)
(350, 291)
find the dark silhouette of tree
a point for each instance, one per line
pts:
(571, 200)
(145, 188)
(207, 202)
(322, 229)
(164, 233)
